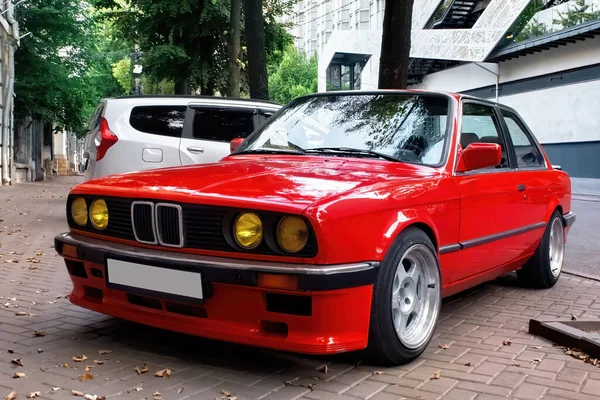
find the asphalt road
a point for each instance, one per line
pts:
(583, 242)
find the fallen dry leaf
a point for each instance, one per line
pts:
(32, 267)
(163, 373)
(156, 394)
(226, 393)
(21, 314)
(11, 261)
(10, 351)
(18, 375)
(536, 347)
(40, 351)
(86, 377)
(17, 361)
(12, 298)
(99, 362)
(88, 368)
(444, 346)
(138, 389)
(468, 364)
(573, 317)
(39, 333)
(79, 359)
(33, 395)
(436, 376)
(55, 389)
(141, 369)
(180, 390)
(77, 393)
(507, 342)
(536, 361)
(377, 372)
(90, 397)
(324, 369)
(11, 396)
(101, 352)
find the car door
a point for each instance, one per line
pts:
(490, 198)
(208, 129)
(534, 175)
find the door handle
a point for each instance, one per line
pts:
(196, 150)
(521, 187)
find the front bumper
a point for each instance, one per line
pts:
(327, 313)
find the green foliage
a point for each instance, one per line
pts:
(532, 30)
(577, 15)
(295, 76)
(185, 42)
(121, 70)
(62, 69)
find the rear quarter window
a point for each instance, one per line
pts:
(158, 120)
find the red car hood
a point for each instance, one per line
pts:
(283, 183)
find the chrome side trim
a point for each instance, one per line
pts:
(148, 203)
(450, 248)
(109, 249)
(569, 219)
(491, 238)
(501, 235)
(180, 221)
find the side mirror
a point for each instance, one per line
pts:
(235, 143)
(479, 155)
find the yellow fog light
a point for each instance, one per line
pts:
(79, 211)
(248, 230)
(99, 214)
(292, 234)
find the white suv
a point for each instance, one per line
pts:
(134, 133)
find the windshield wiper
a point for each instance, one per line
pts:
(271, 151)
(350, 150)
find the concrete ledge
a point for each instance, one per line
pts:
(582, 335)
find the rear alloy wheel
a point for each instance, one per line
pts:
(543, 269)
(406, 300)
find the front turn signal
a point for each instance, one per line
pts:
(278, 281)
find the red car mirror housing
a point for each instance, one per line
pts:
(479, 155)
(235, 143)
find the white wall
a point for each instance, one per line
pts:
(569, 113)
(463, 77)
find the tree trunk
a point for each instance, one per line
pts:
(182, 86)
(235, 25)
(395, 46)
(257, 56)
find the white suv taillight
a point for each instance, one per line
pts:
(104, 139)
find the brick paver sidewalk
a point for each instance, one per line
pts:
(470, 356)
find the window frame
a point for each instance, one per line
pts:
(510, 154)
(190, 115)
(521, 123)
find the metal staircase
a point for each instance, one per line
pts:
(456, 15)
(451, 14)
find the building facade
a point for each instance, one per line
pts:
(540, 57)
(9, 38)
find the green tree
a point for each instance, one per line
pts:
(295, 76)
(62, 68)
(579, 14)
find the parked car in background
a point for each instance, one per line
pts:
(338, 225)
(134, 133)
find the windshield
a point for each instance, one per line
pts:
(398, 127)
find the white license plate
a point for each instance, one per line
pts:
(156, 279)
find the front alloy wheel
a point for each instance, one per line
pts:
(406, 300)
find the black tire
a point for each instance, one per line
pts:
(385, 347)
(537, 271)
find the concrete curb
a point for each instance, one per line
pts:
(582, 275)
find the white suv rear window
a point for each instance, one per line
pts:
(158, 120)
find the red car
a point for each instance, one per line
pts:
(339, 225)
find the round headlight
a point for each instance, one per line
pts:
(292, 234)
(79, 211)
(99, 214)
(248, 230)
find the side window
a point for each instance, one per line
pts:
(158, 120)
(527, 153)
(222, 125)
(95, 121)
(480, 125)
